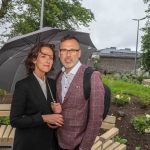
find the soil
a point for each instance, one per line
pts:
(126, 130)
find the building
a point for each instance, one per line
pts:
(116, 60)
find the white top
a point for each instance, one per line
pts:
(42, 84)
(67, 78)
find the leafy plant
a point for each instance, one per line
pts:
(120, 139)
(121, 99)
(95, 63)
(142, 123)
(145, 101)
(2, 92)
(4, 120)
(138, 148)
(131, 78)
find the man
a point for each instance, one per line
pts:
(82, 118)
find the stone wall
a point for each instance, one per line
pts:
(117, 64)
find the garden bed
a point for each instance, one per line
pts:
(126, 130)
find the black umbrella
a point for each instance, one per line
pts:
(14, 52)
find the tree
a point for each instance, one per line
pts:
(24, 15)
(146, 49)
(146, 1)
(4, 7)
(146, 41)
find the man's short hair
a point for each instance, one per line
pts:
(69, 37)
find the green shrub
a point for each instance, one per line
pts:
(121, 99)
(142, 123)
(4, 120)
(131, 78)
(2, 92)
(119, 139)
(138, 148)
(145, 101)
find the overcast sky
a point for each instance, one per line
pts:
(114, 26)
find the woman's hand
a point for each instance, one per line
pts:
(53, 119)
(56, 107)
(52, 126)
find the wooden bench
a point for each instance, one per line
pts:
(108, 122)
(6, 131)
(106, 140)
(102, 142)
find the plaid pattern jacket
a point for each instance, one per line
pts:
(82, 119)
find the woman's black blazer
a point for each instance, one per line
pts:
(28, 104)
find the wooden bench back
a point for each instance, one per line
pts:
(5, 109)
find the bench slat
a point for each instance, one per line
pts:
(5, 107)
(113, 146)
(4, 113)
(108, 143)
(97, 145)
(96, 139)
(7, 133)
(108, 122)
(121, 147)
(11, 136)
(110, 119)
(2, 130)
(109, 134)
(106, 125)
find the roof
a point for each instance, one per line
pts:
(114, 52)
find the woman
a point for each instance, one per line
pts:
(31, 113)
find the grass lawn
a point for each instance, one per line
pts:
(138, 90)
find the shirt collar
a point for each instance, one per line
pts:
(40, 80)
(74, 69)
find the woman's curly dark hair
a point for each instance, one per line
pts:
(30, 66)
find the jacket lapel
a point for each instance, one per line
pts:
(40, 99)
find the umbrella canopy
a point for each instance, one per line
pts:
(15, 51)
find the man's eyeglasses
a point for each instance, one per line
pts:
(70, 51)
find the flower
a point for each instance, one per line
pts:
(117, 96)
(147, 130)
(146, 85)
(129, 98)
(122, 96)
(147, 116)
(121, 99)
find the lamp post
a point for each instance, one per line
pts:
(42, 12)
(137, 40)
